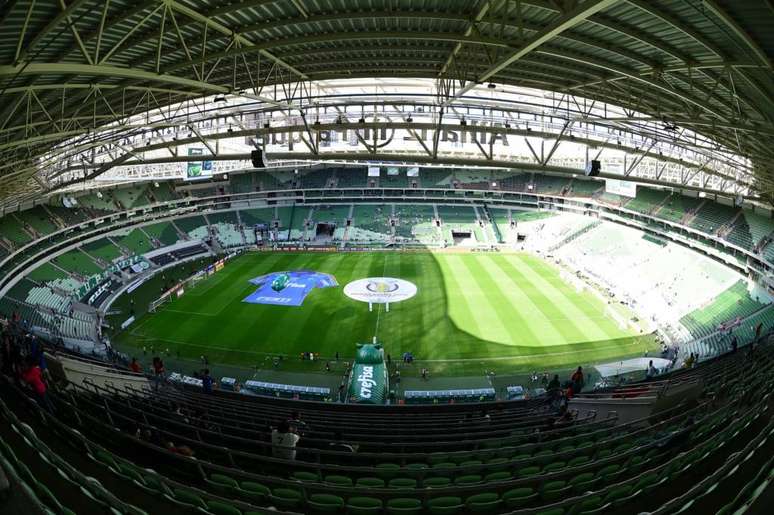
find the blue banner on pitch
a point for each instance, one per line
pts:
(288, 288)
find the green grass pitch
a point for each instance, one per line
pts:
(473, 312)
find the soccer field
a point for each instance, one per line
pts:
(472, 311)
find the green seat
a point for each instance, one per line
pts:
(48, 498)
(609, 473)
(188, 497)
(338, 480)
(498, 476)
(444, 469)
(369, 482)
(364, 505)
(553, 467)
(529, 471)
(578, 461)
(153, 483)
(471, 463)
(256, 492)
(222, 508)
(588, 505)
(445, 505)
(387, 470)
(404, 506)
(222, 485)
(618, 492)
(552, 511)
(325, 503)
(436, 482)
(416, 470)
(105, 458)
(553, 490)
(483, 503)
(646, 482)
(497, 464)
(303, 475)
(130, 473)
(286, 498)
(604, 453)
(519, 497)
(583, 482)
(636, 463)
(544, 456)
(402, 482)
(467, 479)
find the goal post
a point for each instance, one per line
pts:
(153, 306)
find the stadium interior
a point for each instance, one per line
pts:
(386, 257)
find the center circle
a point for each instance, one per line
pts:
(380, 290)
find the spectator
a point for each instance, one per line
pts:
(134, 366)
(651, 372)
(158, 371)
(577, 381)
(34, 378)
(734, 344)
(554, 383)
(207, 381)
(283, 441)
(295, 422)
(689, 361)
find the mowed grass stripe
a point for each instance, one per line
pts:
(527, 325)
(591, 330)
(528, 304)
(587, 302)
(491, 323)
(558, 319)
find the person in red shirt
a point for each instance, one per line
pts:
(33, 376)
(134, 366)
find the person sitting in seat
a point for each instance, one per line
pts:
(284, 441)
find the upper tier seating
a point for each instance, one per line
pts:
(136, 241)
(647, 200)
(676, 206)
(711, 216)
(164, 232)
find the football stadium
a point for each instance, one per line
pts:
(386, 257)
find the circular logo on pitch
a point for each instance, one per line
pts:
(380, 290)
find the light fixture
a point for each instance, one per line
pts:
(463, 122)
(409, 119)
(219, 99)
(266, 124)
(361, 120)
(491, 85)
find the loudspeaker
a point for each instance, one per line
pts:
(593, 168)
(257, 157)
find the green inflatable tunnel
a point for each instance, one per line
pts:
(368, 383)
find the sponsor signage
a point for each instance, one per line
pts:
(380, 290)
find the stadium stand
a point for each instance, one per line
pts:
(370, 223)
(136, 241)
(164, 233)
(677, 206)
(251, 217)
(711, 216)
(13, 229)
(77, 262)
(489, 465)
(647, 200)
(102, 249)
(194, 226)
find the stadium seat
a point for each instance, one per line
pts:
(339, 480)
(554, 490)
(402, 482)
(187, 498)
(364, 505)
(436, 482)
(483, 503)
(369, 482)
(255, 492)
(222, 485)
(286, 498)
(222, 508)
(519, 497)
(445, 505)
(404, 506)
(325, 503)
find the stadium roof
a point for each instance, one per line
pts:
(68, 67)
